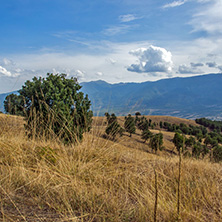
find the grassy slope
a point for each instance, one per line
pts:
(100, 180)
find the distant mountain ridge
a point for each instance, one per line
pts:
(2, 98)
(190, 97)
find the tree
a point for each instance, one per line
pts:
(143, 124)
(156, 142)
(197, 150)
(146, 134)
(14, 104)
(179, 141)
(129, 125)
(54, 107)
(217, 153)
(137, 114)
(113, 128)
(190, 142)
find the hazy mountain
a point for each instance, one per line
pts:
(2, 98)
(183, 97)
(191, 97)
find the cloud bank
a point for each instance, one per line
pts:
(151, 59)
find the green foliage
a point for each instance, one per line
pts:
(14, 104)
(54, 108)
(143, 124)
(138, 114)
(156, 142)
(179, 141)
(197, 150)
(129, 125)
(146, 134)
(190, 142)
(212, 124)
(113, 128)
(217, 153)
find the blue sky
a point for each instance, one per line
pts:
(112, 40)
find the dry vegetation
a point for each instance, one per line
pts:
(101, 180)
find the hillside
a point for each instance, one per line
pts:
(101, 180)
(190, 97)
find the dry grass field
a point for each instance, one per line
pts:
(102, 180)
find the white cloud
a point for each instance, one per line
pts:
(208, 17)
(4, 71)
(99, 74)
(174, 4)
(79, 74)
(152, 59)
(127, 18)
(220, 68)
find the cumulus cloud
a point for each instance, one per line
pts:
(174, 4)
(151, 59)
(127, 18)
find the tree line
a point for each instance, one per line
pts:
(192, 141)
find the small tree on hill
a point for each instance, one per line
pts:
(137, 119)
(113, 128)
(143, 124)
(217, 153)
(129, 125)
(146, 134)
(156, 142)
(179, 141)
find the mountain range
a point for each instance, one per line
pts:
(190, 97)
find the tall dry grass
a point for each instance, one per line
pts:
(100, 180)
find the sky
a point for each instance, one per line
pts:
(112, 40)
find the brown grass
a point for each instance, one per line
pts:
(100, 180)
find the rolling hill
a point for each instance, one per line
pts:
(103, 180)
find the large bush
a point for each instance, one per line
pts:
(54, 107)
